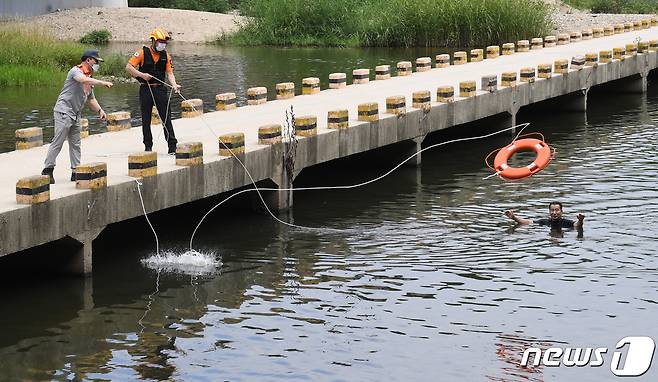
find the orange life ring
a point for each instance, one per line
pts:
(542, 160)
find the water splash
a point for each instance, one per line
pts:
(192, 263)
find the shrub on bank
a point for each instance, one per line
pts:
(218, 6)
(616, 6)
(96, 37)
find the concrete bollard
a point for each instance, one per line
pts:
(396, 105)
(421, 99)
(29, 138)
(637, 25)
(382, 72)
(537, 43)
(189, 154)
(575, 36)
(587, 34)
(256, 95)
(489, 83)
(631, 49)
(654, 22)
(143, 164)
(597, 32)
(310, 85)
(445, 94)
(544, 71)
(285, 90)
(605, 56)
(563, 39)
(459, 58)
(360, 76)
(523, 46)
(191, 108)
(338, 119)
(628, 26)
(467, 89)
(550, 41)
(561, 66)
(527, 75)
(231, 144)
(493, 51)
(653, 45)
(619, 28)
(91, 176)
(337, 80)
(643, 47)
(608, 31)
(225, 101)
(646, 24)
(577, 62)
(508, 48)
(33, 189)
(508, 79)
(84, 128)
(423, 64)
(477, 55)
(269, 134)
(155, 119)
(118, 121)
(618, 53)
(404, 68)
(306, 125)
(592, 59)
(368, 112)
(442, 60)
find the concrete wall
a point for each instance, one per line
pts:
(14, 8)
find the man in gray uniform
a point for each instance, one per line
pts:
(77, 90)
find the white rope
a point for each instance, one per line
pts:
(141, 199)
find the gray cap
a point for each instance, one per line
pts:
(93, 53)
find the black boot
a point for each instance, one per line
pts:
(148, 147)
(49, 171)
(73, 176)
(172, 149)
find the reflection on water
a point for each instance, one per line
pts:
(419, 278)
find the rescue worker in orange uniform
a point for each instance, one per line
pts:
(150, 65)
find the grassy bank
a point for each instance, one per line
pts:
(616, 6)
(32, 57)
(403, 23)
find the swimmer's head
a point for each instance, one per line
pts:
(555, 210)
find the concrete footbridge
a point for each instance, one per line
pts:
(386, 105)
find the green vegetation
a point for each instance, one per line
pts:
(219, 6)
(616, 6)
(31, 56)
(96, 37)
(389, 22)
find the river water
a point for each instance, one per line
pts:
(418, 277)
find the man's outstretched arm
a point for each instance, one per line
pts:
(518, 220)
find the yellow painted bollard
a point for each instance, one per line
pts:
(537, 43)
(306, 125)
(493, 51)
(563, 39)
(550, 41)
(477, 55)
(445, 94)
(654, 22)
(285, 90)
(467, 89)
(84, 128)
(527, 75)
(368, 112)
(191, 108)
(631, 49)
(338, 119)
(628, 26)
(269, 134)
(523, 46)
(653, 45)
(508, 48)
(118, 121)
(423, 64)
(577, 62)
(360, 76)
(587, 34)
(608, 31)
(91, 176)
(605, 56)
(575, 36)
(396, 105)
(256, 95)
(231, 144)
(489, 83)
(508, 79)
(382, 72)
(442, 60)
(404, 68)
(637, 25)
(459, 58)
(337, 80)
(597, 32)
(618, 28)
(189, 154)
(592, 59)
(643, 47)
(225, 101)
(561, 66)
(155, 118)
(142, 165)
(544, 71)
(646, 24)
(29, 138)
(33, 189)
(619, 54)
(310, 85)
(621, 28)
(421, 99)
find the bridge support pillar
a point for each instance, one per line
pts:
(574, 102)
(413, 146)
(281, 200)
(80, 261)
(634, 84)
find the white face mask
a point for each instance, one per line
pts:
(160, 46)
(95, 67)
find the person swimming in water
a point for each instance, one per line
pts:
(555, 219)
